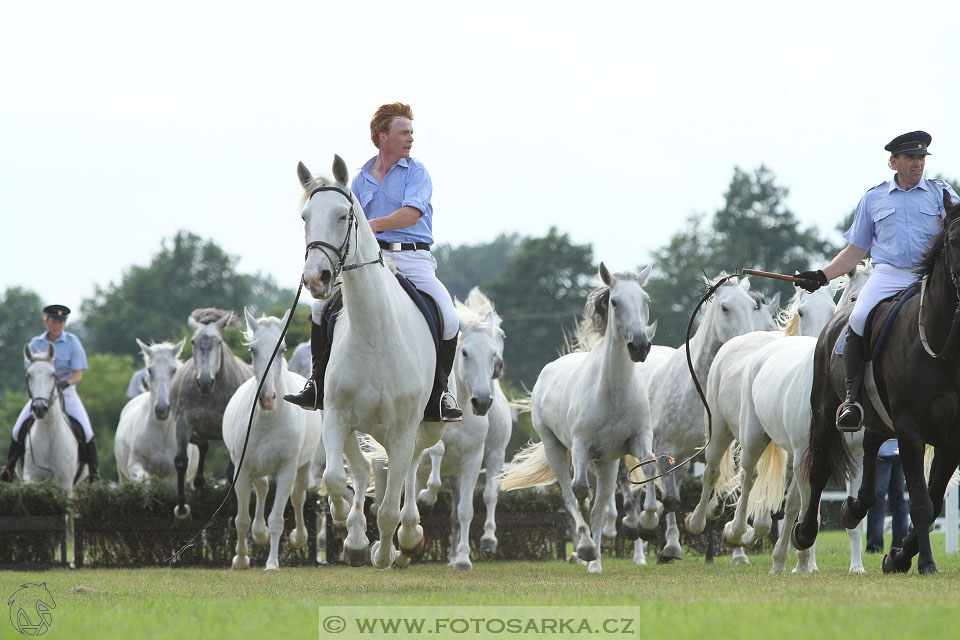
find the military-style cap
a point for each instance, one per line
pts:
(914, 143)
(56, 310)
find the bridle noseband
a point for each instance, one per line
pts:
(343, 250)
(951, 271)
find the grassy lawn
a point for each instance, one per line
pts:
(688, 599)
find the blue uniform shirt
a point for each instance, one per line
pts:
(407, 184)
(889, 448)
(69, 354)
(896, 226)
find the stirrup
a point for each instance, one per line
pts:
(845, 428)
(450, 414)
(301, 399)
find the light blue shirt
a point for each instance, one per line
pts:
(68, 353)
(889, 448)
(407, 184)
(896, 226)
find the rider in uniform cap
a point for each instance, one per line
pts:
(895, 221)
(70, 361)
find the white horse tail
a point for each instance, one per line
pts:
(371, 449)
(768, 491)
(928, 463)
(523, 404)
(728, 482)
(529, 468)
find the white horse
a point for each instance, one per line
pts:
(806, 314)
(282, 441)
(676, 408)
(592, 406)
(50, 448)
(381, 369)
(483, 434)
(774, 421)
(146, 439)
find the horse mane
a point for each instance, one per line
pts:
(209, 315)
(593, 322)
(473, 314)
(926, 265)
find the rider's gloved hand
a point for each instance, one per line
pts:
(62, 384)
(810, 281)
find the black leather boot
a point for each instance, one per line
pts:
(311, 397)
(13, 454)
(850, 412)
(93, 473)
(442, 406)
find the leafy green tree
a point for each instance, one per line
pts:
(152, 303)
(464, 267)
(540, 295)
(21, 318)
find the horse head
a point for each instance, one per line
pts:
(207, 341)
(479, 351)
(161, 360)
(329, 215)
(765, 313)
(814, 310)
(731, 312)
(262, 336)
(41, 376)
(631, 309)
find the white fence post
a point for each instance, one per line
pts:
(953, 519)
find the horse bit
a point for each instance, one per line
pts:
(343, 250)
(949, 269)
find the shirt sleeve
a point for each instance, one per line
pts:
(417, 189)
(860, 233)
(78, 359)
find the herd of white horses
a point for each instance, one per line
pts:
(614, 402)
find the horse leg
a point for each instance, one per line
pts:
(606, 484)
(854, 509)
(752, 444)
(491, 493)
(383, 553)
(356, 543)
(428, 496)
(823, 439)
(298, 537)
(696, 521)
(556, 455)
(631, 515)
(380, 482)
(854, 486)
(672, 549)
(335, 479)
(454, 486)
(198, 482)
(182, 509)
(649, 521)
(469, 471)
(639, 557)
(581, 477)
(609, 529)
(242, 522)
(410, 536)
(921, 505)
(261, 534)
(791, 508)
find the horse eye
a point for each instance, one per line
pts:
(723, 308)
(342, 218)
(613, 303)
(800, 312)
(464, 353)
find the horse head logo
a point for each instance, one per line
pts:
(30, 607)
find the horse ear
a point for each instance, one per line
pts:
(27, 353)
(604, 274)
(948, 204)
(144, 348)
(745, 284)
(340, 173)
(283, 320)
(222, 322)
(304, 175)
(251, 321)
(775, 301)
(193, 324)
(652, 330)
(642, 278)
(51, 351)
(178, 348)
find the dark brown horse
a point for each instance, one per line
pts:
(918, 377)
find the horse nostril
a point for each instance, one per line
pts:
(325, 277)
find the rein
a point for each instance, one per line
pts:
(696, 383)
(950, 270)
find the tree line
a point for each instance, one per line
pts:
(538, 285)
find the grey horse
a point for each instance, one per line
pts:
(200, 391)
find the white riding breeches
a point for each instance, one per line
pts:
(884, 282)
(72, 406)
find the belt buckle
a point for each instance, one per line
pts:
(394, 246)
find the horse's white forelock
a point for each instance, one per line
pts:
(266, 321)
(157, 346)
(471, 321)
(480, 303)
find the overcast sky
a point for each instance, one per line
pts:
(124, 122)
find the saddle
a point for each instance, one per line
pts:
(876, 330)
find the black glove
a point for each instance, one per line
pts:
(810, 281)
(62, 384)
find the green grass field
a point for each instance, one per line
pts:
(688, 599)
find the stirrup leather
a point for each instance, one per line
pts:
(846, 428)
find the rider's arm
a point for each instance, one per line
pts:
(844, 262)
(399, 219)
(74, 377)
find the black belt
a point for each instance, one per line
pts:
(403, 246)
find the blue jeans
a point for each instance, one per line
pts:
(889, 486)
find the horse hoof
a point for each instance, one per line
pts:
(631, 533)
(240, 563)
(272, 568)
(488, 546)
(355, 557)
(728, 539)
(415, 551)
(401, 561)
(671, 503)
(927, 569)
(375, 554)
(893, 564)
(296, 539)
(739, 559)
(670, 553)
(339, 530)
(691, 527)
(463, 565)
(848, 513)
(182, 513)
(662, 559)
(799, 540)
(587, 554)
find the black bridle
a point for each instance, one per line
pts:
(53, 391)
(951, 271)
(343, 250)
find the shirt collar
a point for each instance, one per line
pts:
(403, 162)
(894, 186)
